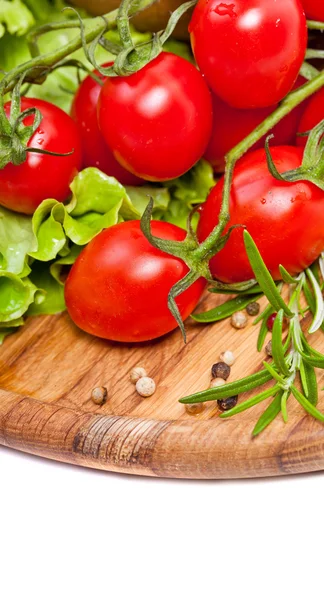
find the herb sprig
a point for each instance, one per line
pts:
(294, 359)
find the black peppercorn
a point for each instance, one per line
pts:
(221, 370)
(227, 403)
(253, 309)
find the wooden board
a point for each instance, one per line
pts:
(47, 372)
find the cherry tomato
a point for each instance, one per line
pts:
(314, 9)
(250, 51)
(231, 125)
(157, 121)
(118, 287)
(312, 116)
(95, 152)
(284, 219)
(23, 187)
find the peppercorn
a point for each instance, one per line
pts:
(221, 370)
(227, 357)
(227, 403)
(217, 382)
(268, 348)
(99, 395)
(239, 320)
(145, 387)
(195, 409)
(137, 373)
(253, 309)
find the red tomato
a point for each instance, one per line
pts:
(157, 121)
(23, 187)
(250, 51)
(118, 287)
(284, 219)
(231, 125)
(95, 151)
(314, 9)
(312, 116)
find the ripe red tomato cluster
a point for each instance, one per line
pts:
(249, 55)
(25, 186)
(154, 126)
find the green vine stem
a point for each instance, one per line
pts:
(293, 357)
(130, 59)
(291, 101)
(41, 64)
(315, 25)
(195, 255)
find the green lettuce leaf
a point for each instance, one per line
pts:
(16, 295)
(188, 191)
(98, 202)
(36, 251)
(15, 17)
(51, 289)
(17, 240)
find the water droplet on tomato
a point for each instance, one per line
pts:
(225, 10)
(40, 131)
(40, 141)
(263, 201)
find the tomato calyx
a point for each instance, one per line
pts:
(130, 58)
(192, 253)
(312, 168)
(15, 135)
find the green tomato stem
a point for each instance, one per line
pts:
(206, 248)
(315, 25)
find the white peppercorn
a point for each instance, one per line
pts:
(145, 386)
(228, 357)
(137, 373)
(217, 382)
(239, 320)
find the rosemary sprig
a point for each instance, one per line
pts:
(226, 309)
(294, 359)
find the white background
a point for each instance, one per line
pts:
(72, 533)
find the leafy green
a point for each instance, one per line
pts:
(53, 292)
(15, 17)
(35, 250)
(98, 202)
(18, 17)
(16, 295)
(54, 236)
(188, 191)
(17, 240)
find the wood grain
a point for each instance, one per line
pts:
(49, 368)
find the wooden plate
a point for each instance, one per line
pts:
(49, 368)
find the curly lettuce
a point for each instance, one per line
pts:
(35, 251)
